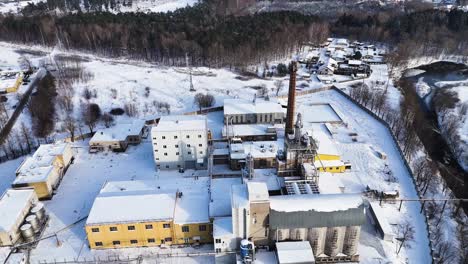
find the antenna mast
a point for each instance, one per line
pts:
(189, 67)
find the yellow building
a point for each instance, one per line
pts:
(11, 85)
(328, 158)
(136, 214)
(44, 169)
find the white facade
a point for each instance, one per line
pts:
(180, 142)
(223, 238)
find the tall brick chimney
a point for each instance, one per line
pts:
(291, 98)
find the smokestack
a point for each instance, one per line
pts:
(291, 98)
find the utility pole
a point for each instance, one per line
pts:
(189, 67)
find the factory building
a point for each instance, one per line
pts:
(240, 111)
(118, 137)
(139, 214)
(44, 169)
(180, 142)
(330, 223)
(15, 205)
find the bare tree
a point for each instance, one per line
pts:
(405, 235)
(107, 119)
(90, 115)
(69, 124)
(131, 109)
(204, 100)
(278, 86)
(26, 134)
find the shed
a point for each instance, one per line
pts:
(295, 252)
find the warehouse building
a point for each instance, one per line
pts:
(15, 205)
(180, 142)
(118, 137)
(137, 213)
(44, 169)
(240, 111)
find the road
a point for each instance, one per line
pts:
(21, 105)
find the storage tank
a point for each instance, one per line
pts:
(34, 222)
(316, 237)
(27, 232)
(334, 241)
(297, 234)
(351, 240)
(39, 211)
(246, 250)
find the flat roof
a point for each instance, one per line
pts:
(180, 123)
(263, 149)
(248, 130)
(144, 201)
(242, 106)
(294, 252)
(222, 226)
(319, 113)
(257, 191)
(31, 171)
(315, 202)
(38, 166)
(12, 204)
(325, 144)
(239, 196)
(119, 132)
(220, 203)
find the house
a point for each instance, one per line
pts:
(328, 157)
(118, 137)
(180, 142)
(139, 214)
(15, 205)
(10, 85)
(328, 68)
(44, 169)
(240, 111)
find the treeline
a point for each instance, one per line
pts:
(425, 32)
(209, 39)
(76, 5)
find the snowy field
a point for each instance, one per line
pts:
(89, 172)
(137, 5)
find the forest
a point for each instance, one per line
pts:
(215, 40)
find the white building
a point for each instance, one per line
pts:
(14, 207)
(180, 142)
(118, 137)
(240, 111)
(294, 252)
(224, 239)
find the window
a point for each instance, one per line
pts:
(200, 145)
(175, 137)
(166, 225)
(95, 230)
(187, 136)
(177, 153)
(164, 146)
(113, 228)
(165, 153)
(176, 146)
(199, 136)
(189, 153)
(202, 228)
(151, 240)
(131, 228)
(167, 166)
(188, 145)
(163, 137)
(155, 150)
(185, 229)
(149, 226)
(98, 244)
(133, 241)
(218, 241)
(115, 243)
(154, 139)
(157, 159)
(201, 152)
(168, 239)
(218, 250)
(186, 240)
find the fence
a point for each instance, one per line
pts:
(402, 156)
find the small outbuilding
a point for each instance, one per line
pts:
(118, 137)
(294, 252)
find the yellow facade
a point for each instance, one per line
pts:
(147, 234)
(339, 169)
(42, 189)
(327, 157)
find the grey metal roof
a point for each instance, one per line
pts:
(312, 219)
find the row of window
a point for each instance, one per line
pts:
(177, 153)
(175, 137)
(185, 229)
(176, 146)
(134, 241)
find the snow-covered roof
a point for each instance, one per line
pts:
(257, 191)
(354, 62)
(328, 163)
(12, 204)
(294, 252)
(239, 196)
(7, 82)
(325, 144)
(319, 113)
(222, 227)
(315, 202)
(263, 149)
(119, 132)
(141, 201)
(180, 123)
(248, 130)
(33, 171)
(220, 204)
(241, 106)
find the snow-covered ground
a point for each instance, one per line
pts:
(11, 6)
